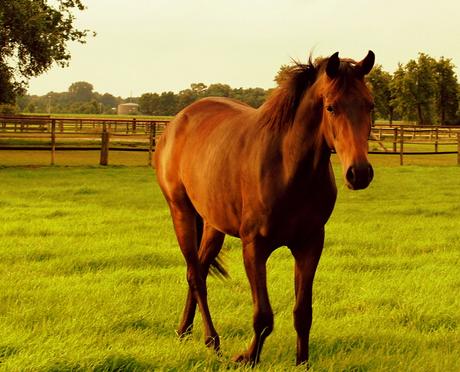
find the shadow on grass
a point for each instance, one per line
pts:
(113, 363)
(149, 260)
(7, 351)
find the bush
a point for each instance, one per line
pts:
(7, 109)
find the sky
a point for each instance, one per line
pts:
(146, 46)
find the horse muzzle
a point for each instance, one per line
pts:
(359, 176)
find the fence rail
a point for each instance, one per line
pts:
(410, 139)
(80, 134)
(110, 134)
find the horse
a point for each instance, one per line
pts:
(264, 175)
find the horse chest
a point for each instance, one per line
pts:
(292, 216)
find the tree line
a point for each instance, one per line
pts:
(35, 34)
(425, 91)
(81, 99)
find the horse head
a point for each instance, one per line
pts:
(346, 115)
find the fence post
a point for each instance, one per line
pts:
(53, 141)
(151, 139)
(401, 147)
(134, 125)
(105, 139)
(436, 137)
(458, 148)
(395, 138)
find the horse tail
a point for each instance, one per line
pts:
(217, 267)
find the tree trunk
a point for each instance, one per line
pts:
(419, 114)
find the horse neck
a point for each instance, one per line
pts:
(303, 145)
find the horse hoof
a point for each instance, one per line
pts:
(214, 342)
(182, 334)
(244, 359)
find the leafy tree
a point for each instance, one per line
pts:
(7, 109)
(108, 100)
(380, 82)
(218, 90)
(187, 97)
(81, 91)
(168, 103)
(149, 104)
(282, 73)
(414, 89)
(447, 91)
(198, 88)
(252, 96)
(34, 35)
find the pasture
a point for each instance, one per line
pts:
(92, 277)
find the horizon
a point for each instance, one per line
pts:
(168, 45)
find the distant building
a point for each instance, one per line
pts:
(128, 109)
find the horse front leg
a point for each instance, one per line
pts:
(306, 255)
(255, 256)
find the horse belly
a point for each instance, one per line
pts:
(211, 173)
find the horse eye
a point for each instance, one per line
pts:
(330, 108)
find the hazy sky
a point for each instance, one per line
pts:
(160, 45)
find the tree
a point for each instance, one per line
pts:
(198, 88)
(218, 90)
(447, 91)
(252, 96)
(380, 82)
(282, 74)
(81, 91)
(167, 104)
(33, 36)
(108, 100)
(187, 97)
(414, 90)
(149, 104)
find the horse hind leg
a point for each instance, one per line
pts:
(184, 218)
(210, 242)
(186, 324)
(255, 257)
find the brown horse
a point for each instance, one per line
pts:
(264, 175)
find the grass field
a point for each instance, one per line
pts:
(102, 116)
(92, 278)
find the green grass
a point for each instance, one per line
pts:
(91, 158)
(103, 116)
(92, 278)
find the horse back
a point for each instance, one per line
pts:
(199, 159)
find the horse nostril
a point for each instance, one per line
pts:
(351, 176)
(359, 176)
(371, 173)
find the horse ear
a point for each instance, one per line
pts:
(365, 66)
(333, 64)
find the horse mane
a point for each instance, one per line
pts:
(280, 108)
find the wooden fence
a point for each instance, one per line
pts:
(105, 135)
(406, 140)
(80, 134)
